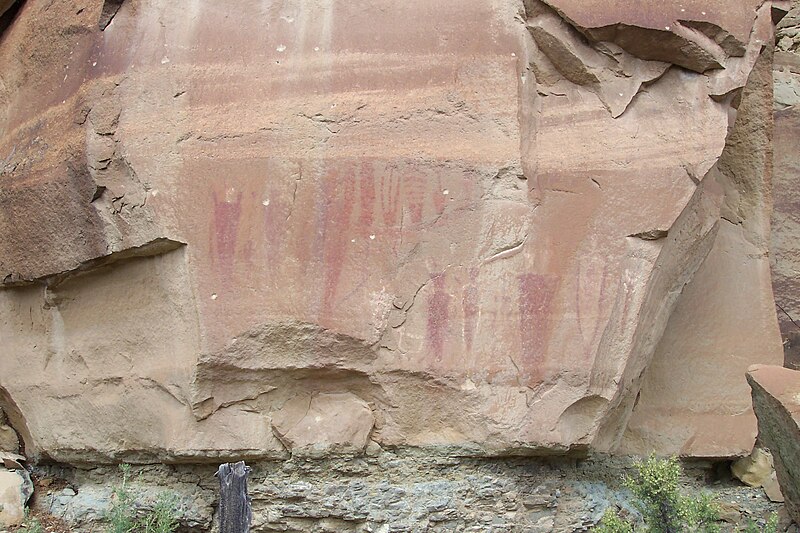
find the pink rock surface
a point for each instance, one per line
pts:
(473, 219)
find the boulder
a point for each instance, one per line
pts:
(754, 470)
(776, 399)
(15, 490)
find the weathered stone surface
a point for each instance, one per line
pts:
(470, 222)
(694, 400)
(15, 489)
(784, 250)
(696, 34)
(9, 442)
(754, 470)
(323, 423)
(776, 399)
(772, 488)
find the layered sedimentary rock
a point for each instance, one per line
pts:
(291, 227)
(776, 398)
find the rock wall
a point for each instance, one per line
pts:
(786, 215)
(405, 492)
(304, 228)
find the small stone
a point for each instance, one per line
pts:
(536, 501)
(373, 449)
(12, 461)
(772, 489)
(730, 513)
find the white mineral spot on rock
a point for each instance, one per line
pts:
(666, 28)
(316, 48)
(214, 296)
(372, 237)
(154, 192)
(265, 203)
(352, 240)
(281, 48)
(164, 60)
(445, 192)
(94, 63)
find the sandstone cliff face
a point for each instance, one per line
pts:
(313, 227)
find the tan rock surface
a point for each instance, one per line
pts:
(319, 424)
(8, 439)
(9, 442)
(473, 220)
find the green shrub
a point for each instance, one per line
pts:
(657, 496)
(612, 523)
(124, 517)
(770, 527)
(162, 518)
(772, 524)
(664, 508)
(31, 525)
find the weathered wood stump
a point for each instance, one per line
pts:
(235, 513)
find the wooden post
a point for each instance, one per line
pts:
(235, 513)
